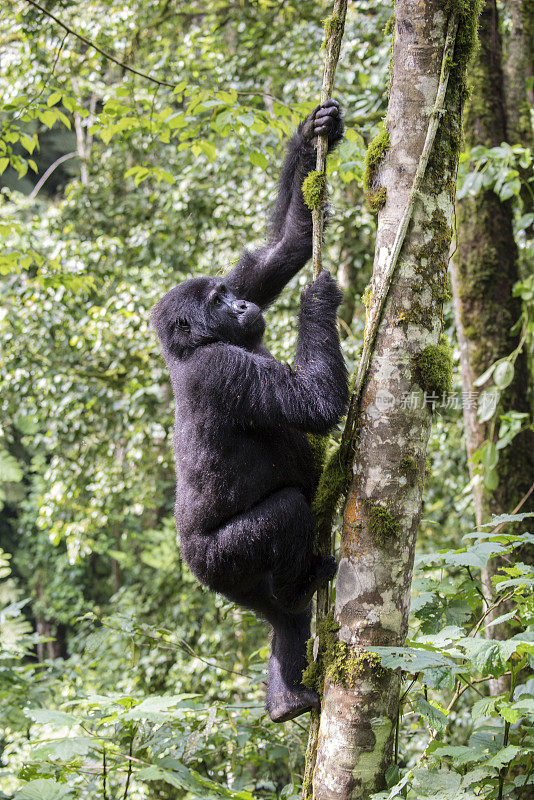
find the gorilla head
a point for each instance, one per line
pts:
(204, 310)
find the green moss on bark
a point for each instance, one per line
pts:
(430, 270)
(382, 524)
(318, 446)
(330, 26)
(336, 660)
(367, 296)
(314, 674)
(333, 483)
(376, 195)
(449, 135)
(314, 189)
(433, 368)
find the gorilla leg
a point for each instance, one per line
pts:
(287, 698)
(274, 537)
(263, 560)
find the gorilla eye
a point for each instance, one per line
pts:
(183, 324)
(217, 301)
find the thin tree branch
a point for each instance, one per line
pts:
(98, 49)
(34, 192)
(333, 46)
(125, 66)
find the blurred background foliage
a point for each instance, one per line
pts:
(119, 676)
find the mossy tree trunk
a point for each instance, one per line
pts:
(518, 57)
(382, 510)
(484, 271)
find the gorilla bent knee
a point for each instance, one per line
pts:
(244, 473)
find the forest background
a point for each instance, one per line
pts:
(130, 166)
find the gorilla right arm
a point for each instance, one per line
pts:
(261, 275)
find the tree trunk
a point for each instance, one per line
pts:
(382, 511)
(518, 55)
(483, 275)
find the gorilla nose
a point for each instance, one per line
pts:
(240, 306)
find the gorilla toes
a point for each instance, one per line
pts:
(290, 703)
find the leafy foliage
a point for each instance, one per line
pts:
(119, 676)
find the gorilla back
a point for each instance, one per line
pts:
(244, 473)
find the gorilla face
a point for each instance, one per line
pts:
(204, 310)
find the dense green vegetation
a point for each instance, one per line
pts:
(119, 676)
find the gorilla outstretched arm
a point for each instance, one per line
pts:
(252, 387)
(261, 275)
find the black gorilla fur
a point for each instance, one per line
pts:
(244, 473)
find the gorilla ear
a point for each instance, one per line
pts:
(183, 324)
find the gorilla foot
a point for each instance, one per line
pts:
(323, 569)
(287, 704)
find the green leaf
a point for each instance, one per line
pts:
(488, 401)
(481, 380)
(525, 704)
(508, 713)
(44, 716)
(107, 133)
(246, 119)
(54, 98)
(228, 98)
(504, 756)
(163, 175)
(258, 159)
(507, 518)
(440, 783)
(392, 775)
(208, 149)
(43, 789)
(410, 659)
(4, 163)
(484, 654)
(178, 121)
(69, 103)
(96, 638)
(460, 754)
(435, 716)
(504, 374)
(64, 749)
(48, 117)
(28, 143)
(10, 469)
(509, 189)
(490, 455)
(491, 479)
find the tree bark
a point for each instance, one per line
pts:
(484, 272)
(382, 511)
(516, 64)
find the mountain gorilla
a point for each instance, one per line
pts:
(244, 473)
